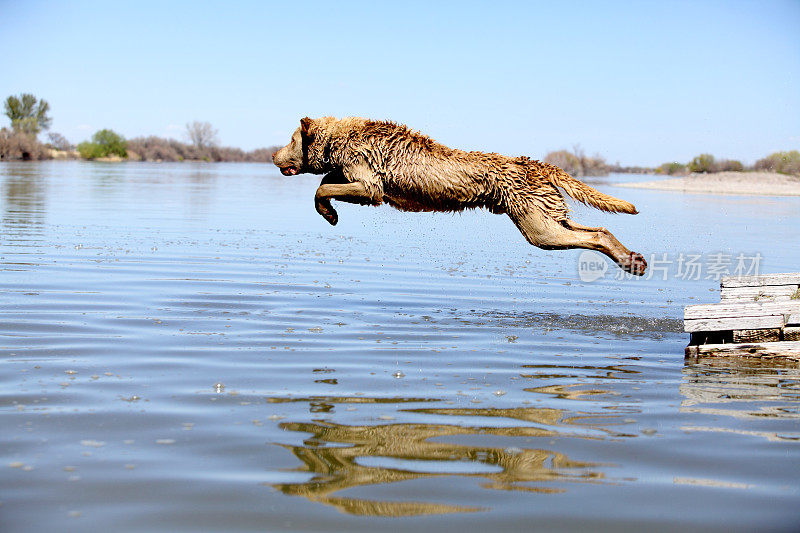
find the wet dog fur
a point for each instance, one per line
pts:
(371, 162)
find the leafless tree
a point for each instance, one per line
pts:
(59, 142)
(202, 134)
(578, 163)
(20, 145)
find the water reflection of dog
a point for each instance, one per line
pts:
(408, 450)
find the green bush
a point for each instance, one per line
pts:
(702, 163)
(672, 169)
(89, 150)
(783, 162)
(729, 165)
(104, 143)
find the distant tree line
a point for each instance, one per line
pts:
(781, 162)
(29, 117)
(577, 163)
(203, 146)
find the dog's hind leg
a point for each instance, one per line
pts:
(571, 224)
(548, 234)
(354, 193)
(635, 261)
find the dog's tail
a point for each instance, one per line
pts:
(583, 193)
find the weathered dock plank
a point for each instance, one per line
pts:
(784, 349)
(723, 324)
(735, 310)
(778, 293)
(757, 335)
(792, 278)
(793, 320)
(791, 333)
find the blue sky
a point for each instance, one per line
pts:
(637, 82)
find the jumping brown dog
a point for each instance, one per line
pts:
(369, 162)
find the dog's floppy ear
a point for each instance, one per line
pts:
(307, 127)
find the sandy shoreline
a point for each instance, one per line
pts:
(745, 183)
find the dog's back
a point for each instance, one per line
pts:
(419, 174)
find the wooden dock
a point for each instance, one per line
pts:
(758, 316)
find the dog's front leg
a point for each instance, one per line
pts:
(354, 193)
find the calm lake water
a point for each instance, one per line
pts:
(190, 347)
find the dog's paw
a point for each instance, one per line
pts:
(635, 264)
(328, 212)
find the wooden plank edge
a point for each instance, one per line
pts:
(736, 310)
(789, 278)
(757, 294)
(767, 350)
(724, 324)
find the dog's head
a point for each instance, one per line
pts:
(305, 151)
